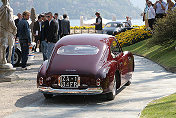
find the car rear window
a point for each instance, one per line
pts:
(113, 25)
(78, 50)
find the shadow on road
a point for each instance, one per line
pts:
(28, 100)
(38, 99)
(80, 99)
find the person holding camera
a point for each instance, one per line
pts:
(160, 7)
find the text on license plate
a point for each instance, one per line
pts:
(69, 81)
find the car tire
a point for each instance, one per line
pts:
(111, 95)
(17, 57)
(47, 96)
(128, 83)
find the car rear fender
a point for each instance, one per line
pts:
(106, 69)
(42, 70)
(106, 73)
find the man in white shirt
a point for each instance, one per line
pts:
(151, 14)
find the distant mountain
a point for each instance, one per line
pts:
(77, 8)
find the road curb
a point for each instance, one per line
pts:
(172, 69)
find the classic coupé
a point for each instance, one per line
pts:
(86, 64)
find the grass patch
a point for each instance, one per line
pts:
(162, 108)
(163, 55)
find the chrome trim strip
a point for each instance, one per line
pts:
(88, 91)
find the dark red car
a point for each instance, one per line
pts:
(86, 64)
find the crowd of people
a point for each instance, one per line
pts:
(47, 30)
(157, 10)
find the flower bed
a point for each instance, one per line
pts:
(133, 36)
(82, 27)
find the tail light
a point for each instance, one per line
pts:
(98, 82)
(41, 81)
(30, 47)
(59, 80)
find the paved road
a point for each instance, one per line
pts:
(150, 81)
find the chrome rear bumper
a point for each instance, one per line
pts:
(88, 91)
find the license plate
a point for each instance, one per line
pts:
(69, 81)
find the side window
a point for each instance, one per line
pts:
(115, 50)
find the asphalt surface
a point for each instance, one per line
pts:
(149, 82)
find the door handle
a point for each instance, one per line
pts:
(121, 63)
(129, 58)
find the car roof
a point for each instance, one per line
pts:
(115, 22)
(85, 39)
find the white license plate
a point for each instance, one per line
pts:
(69, 81)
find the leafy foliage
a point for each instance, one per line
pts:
(165, 30)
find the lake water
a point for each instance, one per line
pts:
(76, 22)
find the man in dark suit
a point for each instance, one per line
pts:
(37, 31)
(65, 25)
(24, 38)
(58, 21)
(50, 33)
(44, 44)
(16, 22)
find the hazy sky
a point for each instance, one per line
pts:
(138, 3)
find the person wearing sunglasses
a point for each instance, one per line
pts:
(50, 33)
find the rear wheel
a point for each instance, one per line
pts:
(111, 95)
(47, 96)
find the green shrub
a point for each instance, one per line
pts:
(165, 30)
